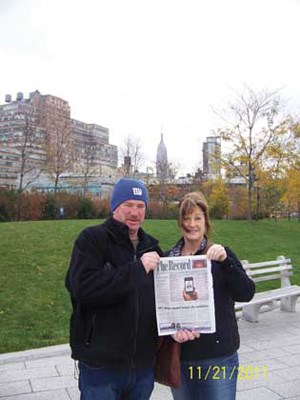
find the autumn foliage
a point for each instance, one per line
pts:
(273, 198)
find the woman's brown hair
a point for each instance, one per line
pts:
(187, 205)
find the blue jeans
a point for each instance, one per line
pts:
(210, 379)
(106, 383)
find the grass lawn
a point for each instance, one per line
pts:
(34, 305)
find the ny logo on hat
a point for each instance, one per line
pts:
(137, 191)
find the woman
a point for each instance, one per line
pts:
(209, 364)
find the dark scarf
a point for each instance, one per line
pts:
(176, 251)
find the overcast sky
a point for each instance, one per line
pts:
(141, 67)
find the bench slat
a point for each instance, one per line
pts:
(266, 263)
(267, 278)
(267, 270)
(274, 294)
(274, 264)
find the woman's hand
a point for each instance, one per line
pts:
(217, 252)
(185, 335)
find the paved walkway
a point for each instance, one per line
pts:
(269, 358)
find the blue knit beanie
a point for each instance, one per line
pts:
(128, 189)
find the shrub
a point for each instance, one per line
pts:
(32, 206)
(102, 207)
(8, 202)
(159, 210)
(3, 214)
(70, 204)
(86, 208)
(50, 207)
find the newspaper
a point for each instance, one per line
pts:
(184, 295)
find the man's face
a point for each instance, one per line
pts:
(131, 213)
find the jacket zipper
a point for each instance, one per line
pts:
(137, 310)
(90, 331)
(136, 322)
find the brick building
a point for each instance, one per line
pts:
(39, 133)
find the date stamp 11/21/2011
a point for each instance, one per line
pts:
(240, 372)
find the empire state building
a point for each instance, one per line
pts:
(162, 165)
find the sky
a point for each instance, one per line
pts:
(142, 68)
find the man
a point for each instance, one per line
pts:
(113, 329)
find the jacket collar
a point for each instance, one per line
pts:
(119, 232)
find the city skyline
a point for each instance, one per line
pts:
(84, 139)
(141, 69)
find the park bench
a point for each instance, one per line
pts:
(279, 269)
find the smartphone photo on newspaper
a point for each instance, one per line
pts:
(189, 284)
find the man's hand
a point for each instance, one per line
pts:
(150, 261)
(185, 335)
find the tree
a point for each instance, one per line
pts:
(29, 141)
(292, 193)
(132, 154)
(218, 199)
(59, 156)
(293, 148)
(273, 192)
(252, 127)
(87, 164)
(269, 174)
(280, 176)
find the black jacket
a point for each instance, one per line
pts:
(113, 321)
(230, 284)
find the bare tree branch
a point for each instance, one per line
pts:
(253, 125)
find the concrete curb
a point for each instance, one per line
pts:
(33, 354)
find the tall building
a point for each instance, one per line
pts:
(92, 152)
(53, 141)
(211, 157)
(10, 165)
(162, 165)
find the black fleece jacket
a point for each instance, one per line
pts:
(230, 284)
(113, 321)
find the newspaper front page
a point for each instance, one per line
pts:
(184, 295)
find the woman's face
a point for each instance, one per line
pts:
(193, 225)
